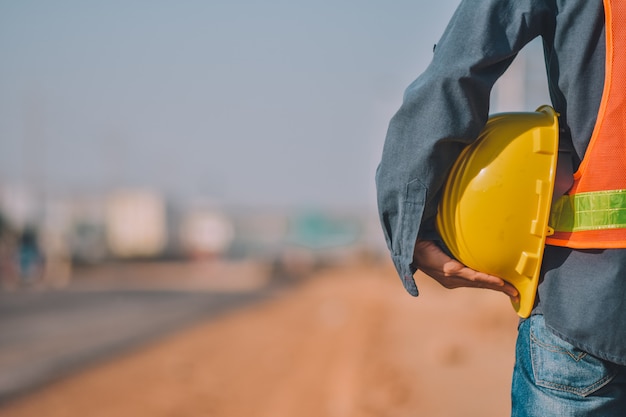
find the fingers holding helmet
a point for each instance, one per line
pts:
(448, 272)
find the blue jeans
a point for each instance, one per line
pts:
(553, 378)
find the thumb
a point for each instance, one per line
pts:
(452, 267)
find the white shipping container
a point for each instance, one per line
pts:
(136, 223)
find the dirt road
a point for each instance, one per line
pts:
(347, 343)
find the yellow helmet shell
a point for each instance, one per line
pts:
(493, 215)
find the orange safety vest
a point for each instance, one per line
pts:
(592, 215)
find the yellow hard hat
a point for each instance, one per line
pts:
(493, 215)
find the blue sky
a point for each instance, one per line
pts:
(269, 103)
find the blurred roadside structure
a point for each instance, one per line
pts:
(42, 239)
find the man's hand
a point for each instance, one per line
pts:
(452, 274)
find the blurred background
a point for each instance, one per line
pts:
(164, 162)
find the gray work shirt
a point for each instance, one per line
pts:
(582, 293)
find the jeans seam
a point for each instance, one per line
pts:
(557, 349)
(566, 388)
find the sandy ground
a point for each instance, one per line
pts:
(347, 342)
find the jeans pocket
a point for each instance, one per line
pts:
(558, 365)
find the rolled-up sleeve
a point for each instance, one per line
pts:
(442, 111)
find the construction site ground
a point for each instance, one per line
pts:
(347, 341)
